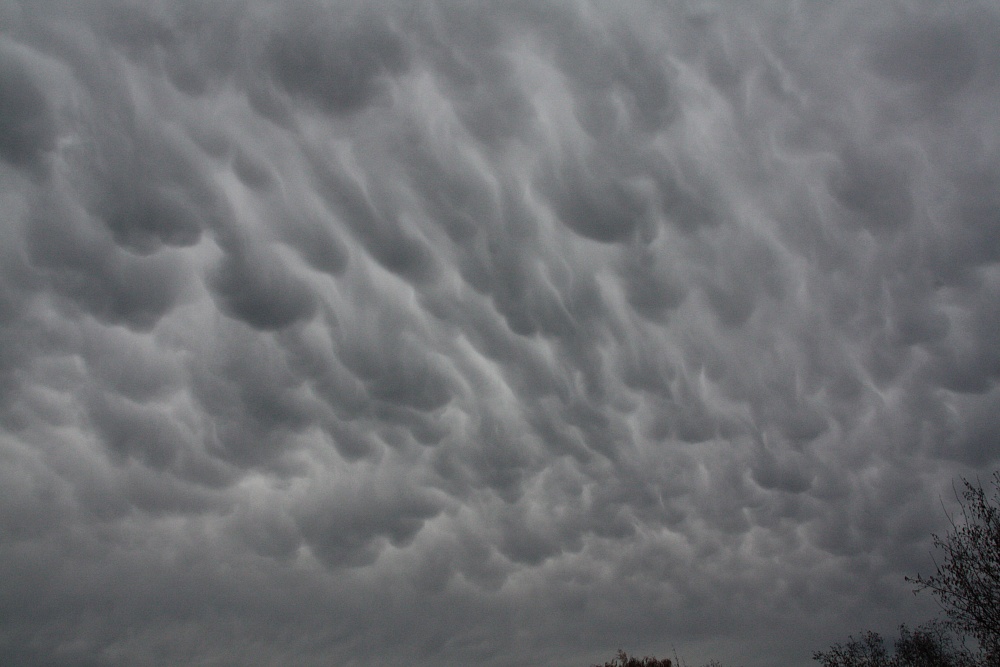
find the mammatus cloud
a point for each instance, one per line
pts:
(438, 333)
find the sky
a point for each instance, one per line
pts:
(441, 333)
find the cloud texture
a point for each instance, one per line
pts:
(448, 333)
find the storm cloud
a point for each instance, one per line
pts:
(446, 333)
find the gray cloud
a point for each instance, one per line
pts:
(939, 56)
(26, 125)
(437, 333)
(260, 291)
(332, 59)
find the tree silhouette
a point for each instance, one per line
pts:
(626, 660)
(930, 645)
(967, 580)
(966, 583)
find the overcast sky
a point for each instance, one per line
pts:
(488, 333)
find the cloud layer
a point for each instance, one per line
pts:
(443, 333)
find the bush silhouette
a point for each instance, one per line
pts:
(930, 645)
(625, 660)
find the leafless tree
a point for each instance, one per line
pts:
(626, 660)
(967, 577)
(930, 645)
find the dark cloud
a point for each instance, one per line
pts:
(335, 61)
(27, 130)
(608, 212)
(351, 526)
(67, 245)
(445, 334)
(938, 55)
(259, 290)
(382, 232)
(652, 289)
(318, 243)
(874, 192)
